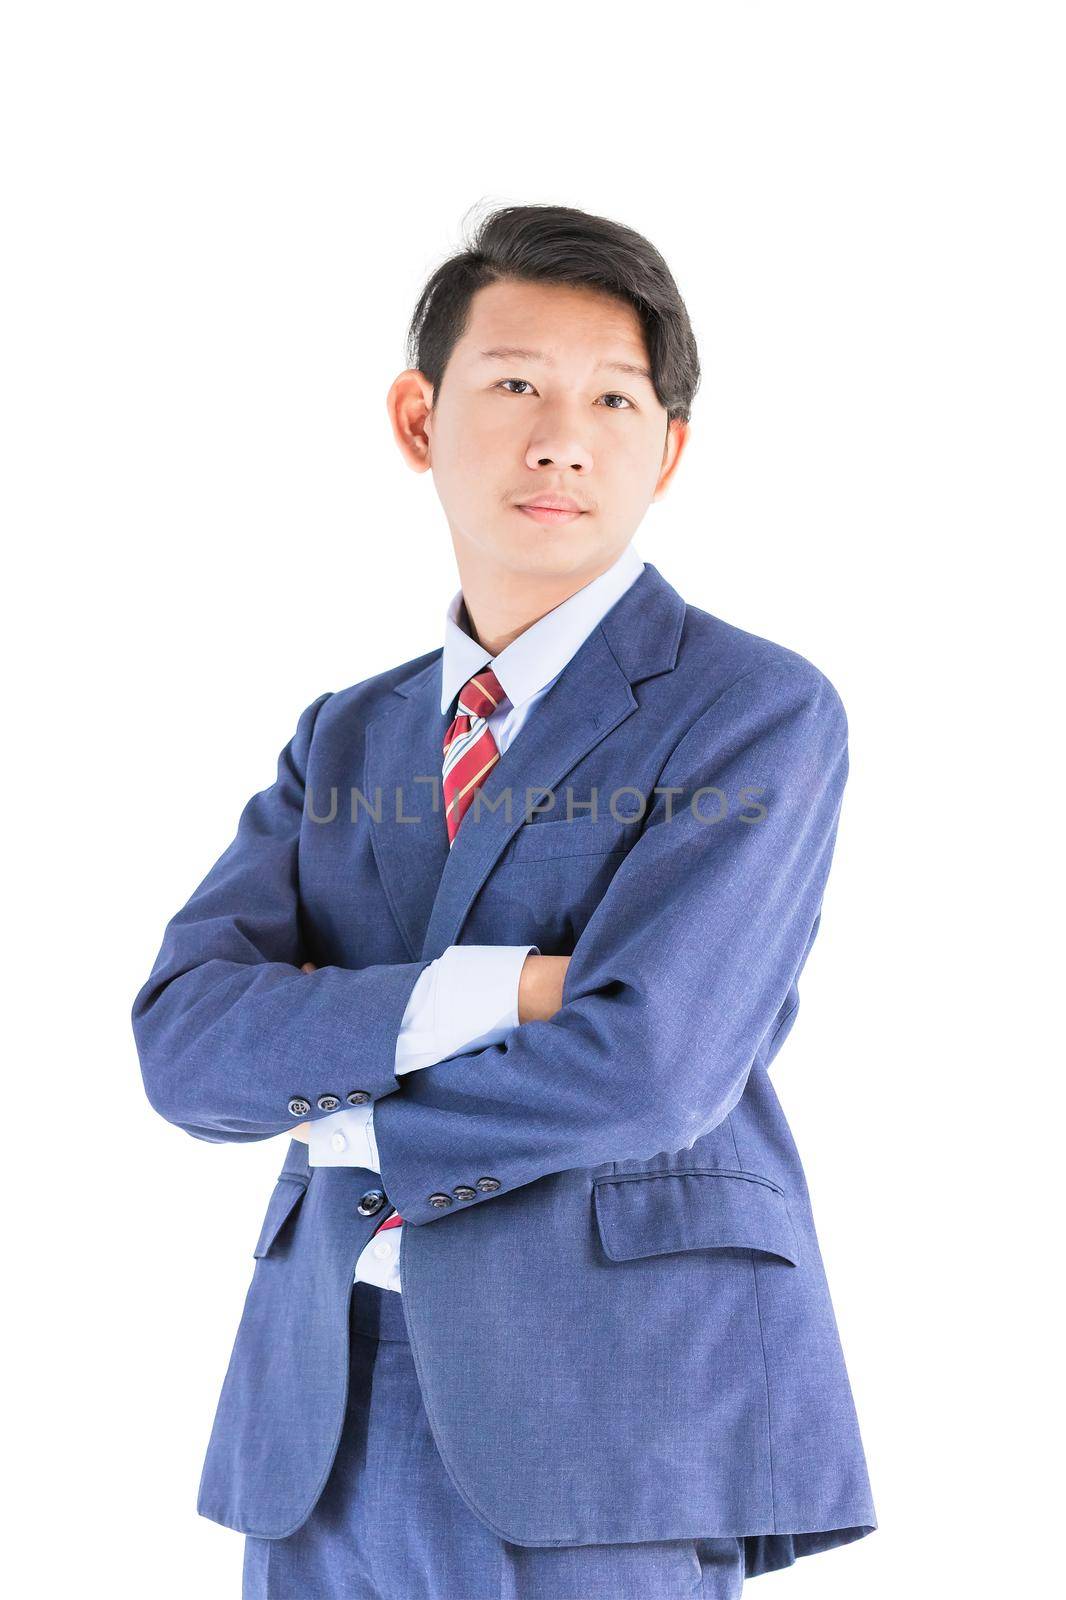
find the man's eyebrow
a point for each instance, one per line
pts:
(511, 352)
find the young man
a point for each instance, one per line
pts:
(538, 1309)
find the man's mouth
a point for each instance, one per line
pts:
(550, 508)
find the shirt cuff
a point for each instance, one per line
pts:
(467, 998)
(343, 1139)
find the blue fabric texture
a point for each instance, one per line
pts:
(390, 1526)
(616, 1307)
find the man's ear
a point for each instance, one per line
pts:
(409, 403)
(677, 433)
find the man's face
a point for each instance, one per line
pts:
(562, 418)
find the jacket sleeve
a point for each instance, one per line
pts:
(683, 970)
(466, 998)
(235, 1042)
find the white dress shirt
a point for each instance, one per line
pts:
(468, 997)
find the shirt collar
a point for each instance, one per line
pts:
(530, 662)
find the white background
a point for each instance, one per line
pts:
(218, 219)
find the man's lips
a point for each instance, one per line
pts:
(551, 513)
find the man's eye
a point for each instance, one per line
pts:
(626, 402)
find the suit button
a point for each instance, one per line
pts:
(298, 1106)
(488, 1185)
(439, 1200)
(464, 1192)
(371, 1202)
(357, 1097)
(327, 1102)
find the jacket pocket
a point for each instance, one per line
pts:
(288, 1192)
(716, 1208)
(583, 836)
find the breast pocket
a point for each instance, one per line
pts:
(558, 839)
(550, 878)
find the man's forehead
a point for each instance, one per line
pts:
(600, 349)
(540, 321)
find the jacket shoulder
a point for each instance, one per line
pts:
(717, 655)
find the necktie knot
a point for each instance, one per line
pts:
(482, 694)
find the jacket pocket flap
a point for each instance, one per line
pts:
(287, 1191)
(582, 835)
(651, 1214)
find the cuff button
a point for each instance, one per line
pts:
(298, 1106)
(437, 1201)
(488, 1185)
(464, 1192)
(357, 1097)
(327, 1102)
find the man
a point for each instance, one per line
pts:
(509, 946)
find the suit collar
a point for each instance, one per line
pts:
(431, 886)
(540, 653)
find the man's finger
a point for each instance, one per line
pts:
(308, 966)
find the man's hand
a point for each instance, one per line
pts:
(540, 987)
(302, 1130)
(540, 996)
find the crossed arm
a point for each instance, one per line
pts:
(538, 994)
(681, 977)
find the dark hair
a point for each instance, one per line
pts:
(556, 244)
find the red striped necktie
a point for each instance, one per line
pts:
(470, 751)
(470, 754)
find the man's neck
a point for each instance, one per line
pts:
(497, 608)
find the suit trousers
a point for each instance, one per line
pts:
(390, 1525)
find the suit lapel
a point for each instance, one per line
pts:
(431, 886)
(404, 744)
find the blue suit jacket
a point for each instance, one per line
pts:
(611, 1279)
